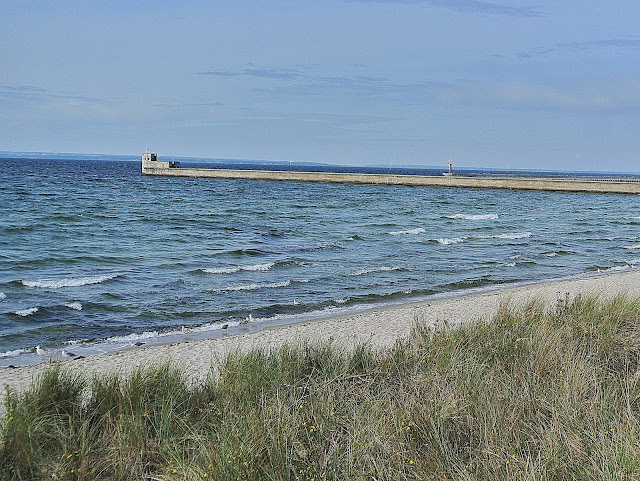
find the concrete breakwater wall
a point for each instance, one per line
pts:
(602, 186)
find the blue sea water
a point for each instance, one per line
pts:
(96, 255)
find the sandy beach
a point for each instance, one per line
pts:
(379, 327)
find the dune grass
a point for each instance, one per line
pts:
(536, 393)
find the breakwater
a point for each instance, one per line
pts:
(601, 186)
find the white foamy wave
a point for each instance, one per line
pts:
(14, 353)
(341, 301)
(375, 269)
(513, 235)
(70, 282)
(446, 242)
(134, 337)
(253, 287)
(76, 306)
(2, 295)
(632, 247)
(27, 312)
(474, 216)
(509, 264)
(418, 230)
(231, 270)
(550, 254)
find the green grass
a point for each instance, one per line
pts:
(534, 394)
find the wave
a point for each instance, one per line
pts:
(245, 252)
(418, 230)
(230, 270)
(374, 269)
(446, 242)
(510, 235)
(70, 282)
(14, 353)
(473, 216)
(318, 247)
(631, 247)
(353, 238)
(76, 306)
(2, 295)
(254, 287)
(134, 337)
(27, 312)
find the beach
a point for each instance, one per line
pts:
(379, 327)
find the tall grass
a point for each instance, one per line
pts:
(534, 394)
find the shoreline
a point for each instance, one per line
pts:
(153, 338)
(378, 326)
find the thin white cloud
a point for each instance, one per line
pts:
(473, 6)
(37, 94)
(620, 97)
(614, 44)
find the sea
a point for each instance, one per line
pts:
(95, 257)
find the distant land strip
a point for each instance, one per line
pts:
(600, 186)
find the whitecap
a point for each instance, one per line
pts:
(2, 295)
(474, 216)
(632, 247)
(550, 254)
(514, 235)
(27, 312)
(231, 270)
(76, 306)
(418, 230)
(134, 337)
(446, 242)
(375, 269)
(253, 287)
(70, 282)
(341, 301)
(14, 353)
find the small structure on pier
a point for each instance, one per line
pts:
(450, 162)
(150, 161)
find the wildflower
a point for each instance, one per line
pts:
(10, 419)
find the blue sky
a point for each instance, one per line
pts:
(547, 85)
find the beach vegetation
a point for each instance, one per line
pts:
(538, 392)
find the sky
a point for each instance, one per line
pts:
(533, 85)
